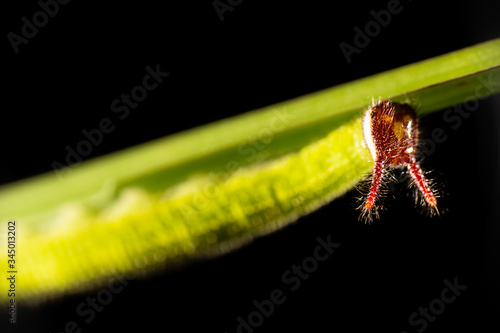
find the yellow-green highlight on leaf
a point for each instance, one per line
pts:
(213, 188)
(187, 221)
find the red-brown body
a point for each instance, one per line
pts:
(391, 134)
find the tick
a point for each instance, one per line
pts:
(390, 132)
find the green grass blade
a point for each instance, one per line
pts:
(210, 189)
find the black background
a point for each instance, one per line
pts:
(65, 78)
